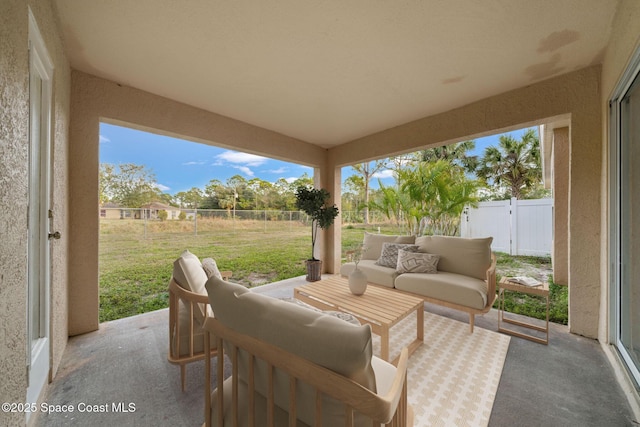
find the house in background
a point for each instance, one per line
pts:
(325, 85)
(111, 210)
(151, 210)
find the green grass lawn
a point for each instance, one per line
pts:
(136, 260)
(135, 270)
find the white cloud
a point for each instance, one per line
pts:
(193, 163)
(104, 139)
(162, 187)
(387, 173)
(243, 158)
(291, 179)
(279, 170)
(245, 170)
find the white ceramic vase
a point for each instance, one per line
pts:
(357, 282)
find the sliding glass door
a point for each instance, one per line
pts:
(625, 220)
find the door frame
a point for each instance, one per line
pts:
(615, 215)
(39, 214)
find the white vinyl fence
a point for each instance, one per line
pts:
(518, 227)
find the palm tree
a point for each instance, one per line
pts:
(394, 204)
(455, 153)
(513, 164)
(439, 191)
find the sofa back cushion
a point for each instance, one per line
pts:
(325, 340)
(189, 274)
(469, 257)
(373, 243)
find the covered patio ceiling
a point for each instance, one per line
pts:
(331, 72)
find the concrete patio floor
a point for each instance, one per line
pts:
(123, 366)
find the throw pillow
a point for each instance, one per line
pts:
(417, 262)
(389, 255)
(211, 268)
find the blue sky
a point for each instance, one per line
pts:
(180, 165)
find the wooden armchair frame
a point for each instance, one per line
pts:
(391, 409)
(177, 293)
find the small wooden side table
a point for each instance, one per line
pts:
(543, 291)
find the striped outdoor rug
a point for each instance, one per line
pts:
(453, 377)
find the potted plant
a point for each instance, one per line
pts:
(314, 202)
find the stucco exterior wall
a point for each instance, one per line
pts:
(14, 137)
(94, 99)
(14, 152)
(576, 94)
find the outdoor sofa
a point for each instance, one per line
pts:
(453, 272)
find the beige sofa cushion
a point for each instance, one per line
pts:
(322, 339)
(375, 273)
(451, 287)
(468, 257)
(373, 243)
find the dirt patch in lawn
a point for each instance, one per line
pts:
(257, 279)
(537, 267)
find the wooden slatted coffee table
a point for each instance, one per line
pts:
(379, 307)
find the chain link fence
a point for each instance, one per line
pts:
(147, 222)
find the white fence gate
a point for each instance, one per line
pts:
(518, 227)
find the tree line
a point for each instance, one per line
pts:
(431, 187)
(134, 186)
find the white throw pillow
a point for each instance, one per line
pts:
(417, 262)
